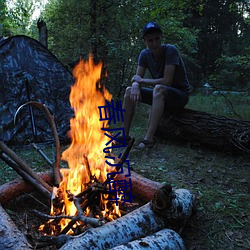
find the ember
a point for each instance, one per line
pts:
(83, 191)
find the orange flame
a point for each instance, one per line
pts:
(88, 140)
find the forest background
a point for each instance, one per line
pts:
(213, 36)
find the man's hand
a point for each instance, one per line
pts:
(135, 93)
(136, 78)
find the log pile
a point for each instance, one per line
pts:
(211, 131)
(165, 208)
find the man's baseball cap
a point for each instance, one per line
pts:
(149, 27)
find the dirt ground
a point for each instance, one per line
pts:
(220, 182)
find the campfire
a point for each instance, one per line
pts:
(87, 209)
(84, 186)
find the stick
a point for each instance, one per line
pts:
(26, 176)
(23, 165)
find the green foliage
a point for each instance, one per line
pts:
(212, 36)
(233, 72)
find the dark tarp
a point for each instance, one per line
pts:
(29, 71)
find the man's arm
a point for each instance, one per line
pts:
(166, 80)
(135, 94)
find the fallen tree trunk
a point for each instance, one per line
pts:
(148, 219)
(163, 239)
(212, 131)
(10, 237)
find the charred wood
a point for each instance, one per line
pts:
(143, 188)
(26, 176)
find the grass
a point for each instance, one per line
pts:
(219, 180)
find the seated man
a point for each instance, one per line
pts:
(168, 89)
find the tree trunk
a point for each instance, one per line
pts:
(43, 32)
(163, 239)
(212, 131)
(10, 237)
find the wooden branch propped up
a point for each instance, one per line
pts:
(25, 169)
(212, 131)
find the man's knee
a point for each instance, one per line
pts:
(159, 90)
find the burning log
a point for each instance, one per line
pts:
(163, 239)
(10, 237)
(216, 132)
(165, 210)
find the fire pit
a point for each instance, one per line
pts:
(89, 197)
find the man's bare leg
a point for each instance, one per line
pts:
(156, 113)
(129, 106)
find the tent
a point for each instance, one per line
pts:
(30, 72)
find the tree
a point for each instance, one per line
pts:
(223, 32)
(111, 30)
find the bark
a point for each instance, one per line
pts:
(10, 237)
(163, 239)
(143, 188)
(150, 218)
(212, 131)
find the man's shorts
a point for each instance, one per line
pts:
(174, 100)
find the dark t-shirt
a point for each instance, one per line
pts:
(171, 56)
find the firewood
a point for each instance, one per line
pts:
(163, 239)
(10, 237)
(143, 221)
